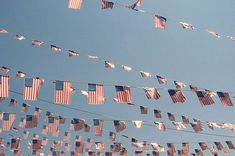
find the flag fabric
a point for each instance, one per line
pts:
(193, 88)
(36, 144)
(179, 85)
(44, 141)
(171, 116)
(230, 145)
(37, 111)
(37, 42)
(198, 152)
(106, 4)
(3, 30)
(157, 147)
(53, 124)
(186, 25)
(157, 113)
(31, 88)
(25, 135)
(79, 146)
(62, 92)
(123, 94)
(5, 69)
(15, 143)
(176, 95)
(89, 143)
(138, 153)
(20, 74)
(139, 2)
(116, 147)
(109, 64)
(22, 122)
(160, 22)
(123, 152)
(185, 148)
(100, 146)
(203, 146)
(152, 93)
(67, 136)
(73, 53)
(98, 127)
(67, 147)
(219, 146)
(143, 109)
(4, 86)
(77, 124)
(112, 136)
(119, 125)
(137, 123)
(154, 153)
(13, 103)
(197, 127)
(145, 74)
(62, 119)
(31, 121)
(225, 98)
(185, 120)
(87, 128)
(161, 79)
(24, 107)
(7, 121)
(55, 48)
(215, 34)
(75, 4)
(178, 125)
(95, 93)
(17, 152)
(20, 37)
(126, 68)
(133, 6)
(204, 98)
(160, 125)
(171, 148)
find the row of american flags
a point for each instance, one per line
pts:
(95, 93)
(53, 122)
(159, 21)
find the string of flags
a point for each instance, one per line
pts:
(160, 22)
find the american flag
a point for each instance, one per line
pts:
(186, 25)
(55, 48)
(160, 125)
(185, 120)
(37, 144)
(106, 4)
(31, 88)
(53, 124)
(77, 124)
(193, 88)
(87, 128)
(203, 145)
(25, 135)
(152, 93)
(67, 147)
(171, 116)
(67, 136)
(31, 121)
(100, 146)
(157, 113)
(230, 144)
(62, 92)
(219, 146)
(123, 152)
(37, 42)
(91, 153)
(112, 136)
(89, 143)
(62, 119)
(37, 111)
(44, 141)
(79, 146)
(133, 6)
(123, 94)
(161, 79)
(139, 2)
(176, 95)
(119, 125)
(160, 22)
(178, 125)
(225, 98)
(17, 152)
(8, 119)
(185, 148)
(171, 148)
(95, 93)
(199, 152)
(12, 103)
(155, 153)
(179, 85)
(4, 86)
(73, 53)
(137, 123)
(25, 107)
(197, 127)
(15, 143)
(116, 147)
(204, 98)
(44, 129)
(75, 4)
(98, 127)
(5, 69)
(143, 109)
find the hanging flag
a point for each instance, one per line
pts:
(116, 147)
(139, 2)
(203, 146)
(171, 116)
(75, 4)
(31, 121)
(79, 146)
(4, 86)
(186, 25)
(15, 143)
(62, 92)
(123, 94)
(13, 103)
(112, 136)
(178, 125)
(20, 37)
(25, 135)
(176, 95)
(185, 148)
(67, 147)
(44, 141)
(126, 68)
(24, 108)
(106, 4)
(193, 88)
(157, 113)
(123, 152)
(3, 30)
(77, 124)
(55, 48)
(230, 145)
(154, 153)
(215, 34)
(98, 127)
(37, 144)
(197, 127)
(137, 123)
(160, 125)
(37, 111)
(5, 69)
(179, 85)
(171, 148)
(100, 146)
(53, 124)
(67, 136)
(152, 93)
(109, 64)
(160, 22)
(199, 152)
(133, 6)
(119, 125)
(185, 120)
(22, 122)
(219, 146)
(225, 98)
(37, 42)
(62, 119)
(89, 143)
(31, 88)
(87, 128)
(20, 74)
(44, 129)
(204, 98)
(161, 79)
(158, 148)
(145, 74)
(213, 151)
(95, 93)
(73, 53)
(143, 109)
(7, 121)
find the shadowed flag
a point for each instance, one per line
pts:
(160, 22)
(152, 93)
(123, 94)
(225, 98)
(106, 4)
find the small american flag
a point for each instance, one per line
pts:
(143, 109)
(112, 136)
(119, 125)
(152, 93)
(55, 48)
(25, 107)
(133, 6)
(185, 120)
(197, 127)
(79, 146)
(67, 147)
(203, 145)
(193, 88)
(204, 98)
(37, 111)
(17, 152)
(219, 146)
(37, 42)
(230, 145)
(171, 116)
(8, 119)
(15, 143)
(5, 69)
(89, 143)
(37, 144)
(4, 86)
(95, 93)
(25, 135)
(160, 22)
(62, 92)
(44, 129)
(225, 98)
(75, 4)
(77, 124)
(186, 25)
(100, 146)
(13, 103)
(106, 4)
(116, 147)
(67, 136)
(123, 94)
(87, 128)
(53, 124)
(185, 148)
(98, 127)
(44, 141)
(31, 121)
(160, 125)
(198, 152)
(161, 79)
(139, 2)
(157, 113)
(171, 148)
(176, 95)
(31, 88)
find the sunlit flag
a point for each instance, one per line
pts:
(186, 25)
(106, 4)
(203, 145)
(20, 37)
(24, 107)
(193, 88)
(157, 113)
(15, 143)
(95, 94)
(13, 103)
(36, 144)
(123, 94)
(31, 88)
(204, 98)
(185, 120)
(179, 85)
(219, 146)
(160, 125)
(37, 111)
(197, 127)
(3, 30)
(176, 95)
(98, 127)
(215, 34)
(123, 152)
(152, 93)
(171, 116)
(160, 22)
(225, 98)
(157, 147)
(31, 121)
(145, 74)
(112, 136)
(109, 64)
(119, 125)
(25, 135)
(100, 146)
(53, 124)
(137, 123)
(62, 92)
(37, 42)
(199, 152)
(7, 121)
(4, 86)
(178, 125)
(5, 69)
(77, 124)
(73, 53)
(143, 109)
(171, 148)
(126, 68)
(116, 147)
(55, 48)
(20, 74)
(161, 79)
(75, 4)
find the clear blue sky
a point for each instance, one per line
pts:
(124, 37)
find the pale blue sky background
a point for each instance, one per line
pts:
(124, 37)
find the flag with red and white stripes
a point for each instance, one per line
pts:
(75, 4)
(98, 127)
(7, 122)
(225, 98)
(36, 144)
(31, 121)
(4, 86)
(31, 88)
(62, 92)
(53, 124)
(95, 94)
(176, 95)
(106, 4)
(152, 93)
(160, 22)
(204, 98)
(123, 94)
(119, 125)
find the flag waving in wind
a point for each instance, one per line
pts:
(160, 22)
(123, 94)
(95, 94)
(31, 88)
(62, 92)
(75, 4)
(4, 86)
(176, 96)
(225, 98)
(106, 4)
